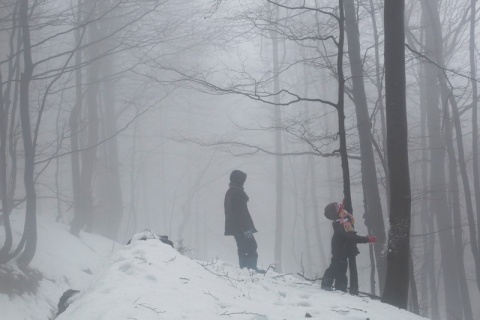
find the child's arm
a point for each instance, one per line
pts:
(351, 236)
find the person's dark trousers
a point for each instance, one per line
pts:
(247, 251)
(336, 273)
(352, 264)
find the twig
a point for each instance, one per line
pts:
(243, 312)
(224, 276)
(281, 275)
(305, 278)
(209, 294)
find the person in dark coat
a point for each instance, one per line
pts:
(344, 249)
(239, 223)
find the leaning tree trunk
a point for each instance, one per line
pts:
(397, 277)
(373, 215)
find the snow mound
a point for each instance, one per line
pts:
(149, 280)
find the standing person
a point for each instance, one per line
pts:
(344, 249)
(239, 223)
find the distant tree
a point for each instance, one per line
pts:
(276, 64)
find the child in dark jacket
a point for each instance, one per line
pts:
(344, 248)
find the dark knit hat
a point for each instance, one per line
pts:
(238, 177)
(332, 210)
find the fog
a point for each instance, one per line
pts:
(119, 116)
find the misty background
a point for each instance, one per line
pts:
(117, 116)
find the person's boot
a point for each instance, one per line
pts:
(242, 261)
(327, 283)
(252, 264)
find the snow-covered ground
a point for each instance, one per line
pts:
(150, 280)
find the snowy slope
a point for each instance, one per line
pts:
(150, 280)
(65, 262)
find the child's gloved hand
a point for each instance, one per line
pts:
(372, 239)
(248, 234)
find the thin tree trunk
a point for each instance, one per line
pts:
(5, 222)
(426, 217)
(278, 149)
(313, 185)
(74, 128)
(341, 110)
(475, 162)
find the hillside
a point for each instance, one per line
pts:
(150, 280)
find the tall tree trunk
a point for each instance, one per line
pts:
(84, 200)
(413, 288)
(6, 142)
(113, 207)
(397, 277)
(475, 162)
(427, 218)
(5, 221)
(434, 46)
(30, 230)
(278, 149)
(457, 226)
(373, 214)
(74, 119)
(341, 110)
(313, 184)
(7, 139)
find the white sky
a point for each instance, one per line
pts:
(150, 280)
